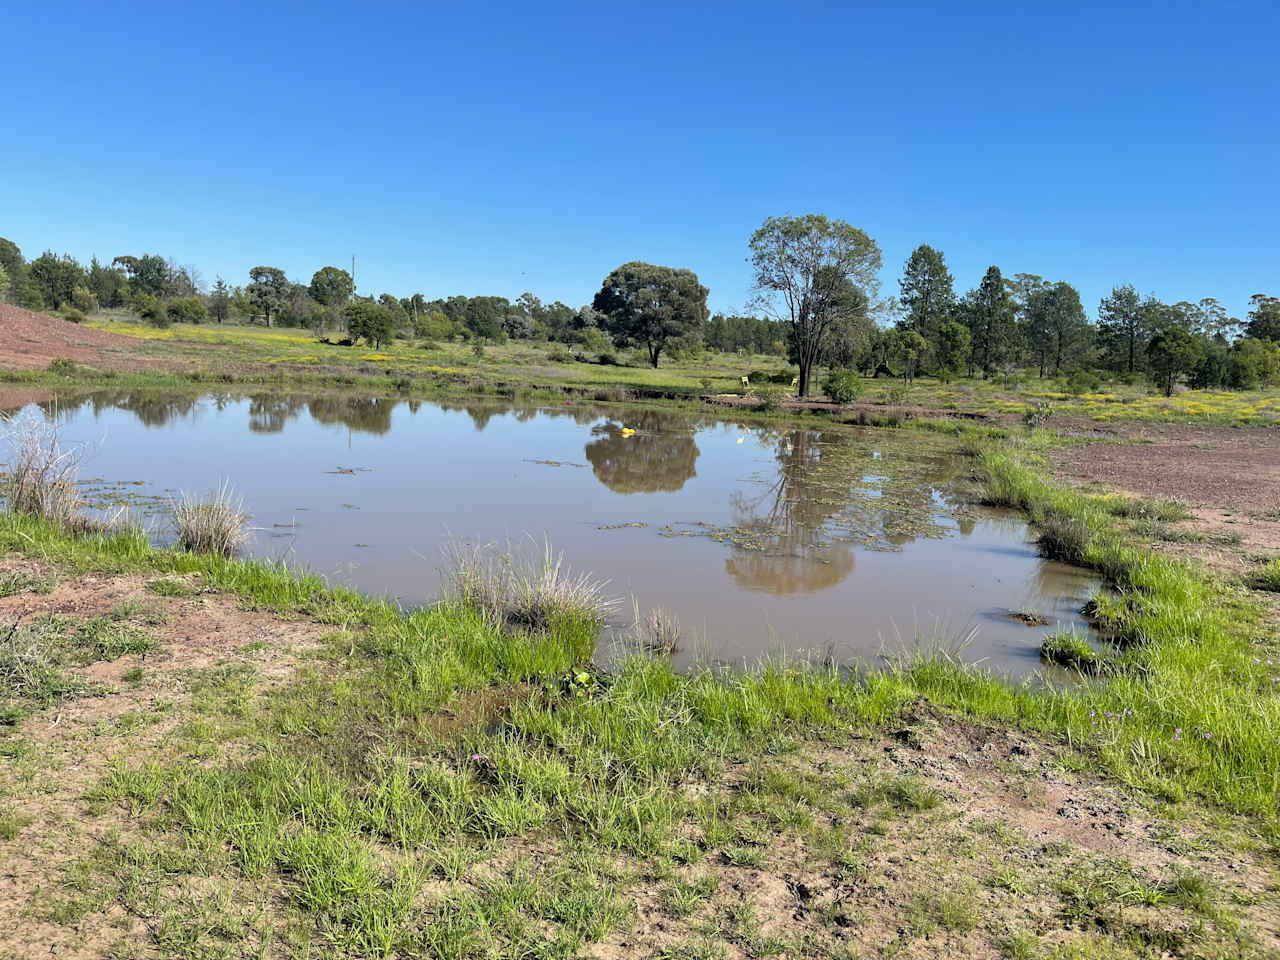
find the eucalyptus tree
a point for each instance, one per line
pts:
(652, 306)
(797, 262)
(1264, 318)
(332, 287)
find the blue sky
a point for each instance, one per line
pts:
(477, 148)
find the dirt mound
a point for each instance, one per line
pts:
(30, 340)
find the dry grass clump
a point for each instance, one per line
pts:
(41, 479)
(515, 590)
(215, 525)
(662, 632)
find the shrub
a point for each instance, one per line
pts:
(783, 376)
(769, 399)
(84, 300)
(843, 386)
(217, 525)
(63, 367)
(560, 355)
(41, 480)
(186, 310)
(72, 315)
(607, 359)
(896, 394)
(1083, 381)
(150, 309)
(1037, 415)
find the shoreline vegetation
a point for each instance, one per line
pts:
(185, 357)
(460, 780)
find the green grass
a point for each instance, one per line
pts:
(292, 358)
(1068, 648)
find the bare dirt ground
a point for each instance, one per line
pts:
(70, 746)
(29, 340)
(1228, 477)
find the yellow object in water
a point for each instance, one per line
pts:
(628, 432)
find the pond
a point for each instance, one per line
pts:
(844, 543)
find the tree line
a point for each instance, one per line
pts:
(816, 301)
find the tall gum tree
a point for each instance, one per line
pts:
(798, 264)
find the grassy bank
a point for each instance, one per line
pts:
(447, 782)
(286, 358)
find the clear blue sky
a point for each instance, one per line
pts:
(493, 149)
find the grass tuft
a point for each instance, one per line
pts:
(517, 591)
(41, 480)
(218, 525)
(1266, 577)
(1067, 648)
(661, 632)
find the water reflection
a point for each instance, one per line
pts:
(786, 547)
(269, 414)
(653, 452)
(361, 414)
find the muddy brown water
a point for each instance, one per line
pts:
(847, 544)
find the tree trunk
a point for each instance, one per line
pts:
(803, 387)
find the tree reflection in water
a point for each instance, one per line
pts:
(361, 414)
(659, 456)
(829, 495)
(269, 414)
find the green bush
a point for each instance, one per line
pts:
(83, 300)
(1083, 381)
(186, 310)
(843, 386)
(769, 399)
(72, 314)
(784, 376)
(150, 309)
(1037, 415)
(896, 394)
